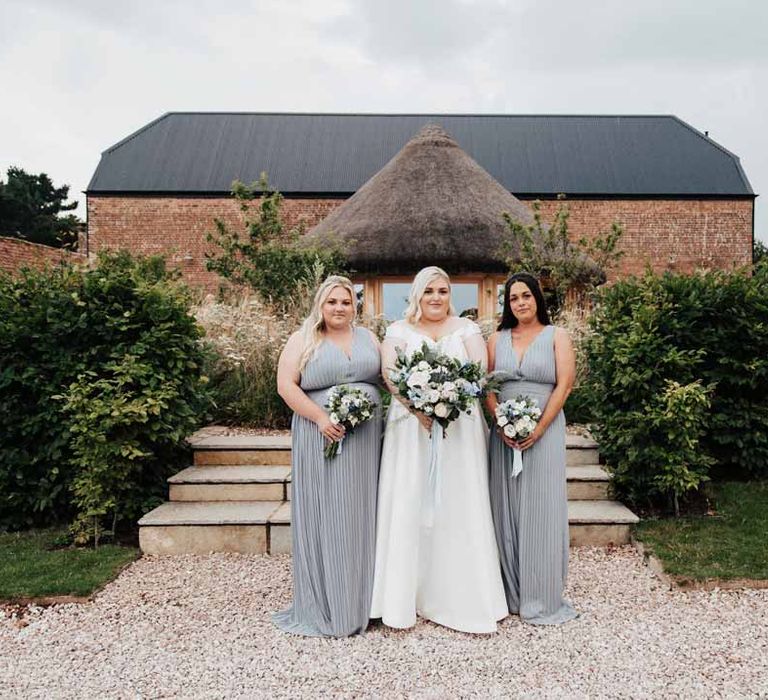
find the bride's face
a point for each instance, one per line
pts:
(435, 303)
(338, 309)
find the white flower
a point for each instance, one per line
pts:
(509, 431)
(423, 366)
(418, 379)
(433, 396)
(441, 410)
(334, 418)
(428, 410)
(502, 421)
(449, 386)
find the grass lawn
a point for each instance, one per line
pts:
(29, 568)
(731, 544)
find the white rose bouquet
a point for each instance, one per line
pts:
(517, 419)
(348, 407)
(439, 386)
(443, 388)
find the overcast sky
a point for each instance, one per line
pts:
(76, 76)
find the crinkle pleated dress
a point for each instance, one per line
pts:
(333, 509)
(530, 511)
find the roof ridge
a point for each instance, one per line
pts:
(414, 114)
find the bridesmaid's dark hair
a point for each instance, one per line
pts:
(508, 319)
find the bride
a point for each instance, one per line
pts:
(447, 572)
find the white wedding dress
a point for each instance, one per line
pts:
(448, 573)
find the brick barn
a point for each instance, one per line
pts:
(683, 199)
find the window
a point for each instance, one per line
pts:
(394, 299)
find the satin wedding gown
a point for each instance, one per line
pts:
(447, 572)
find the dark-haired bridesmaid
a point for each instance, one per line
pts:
(530, 510)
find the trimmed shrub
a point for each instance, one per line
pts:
(707, 333)
(100, 373)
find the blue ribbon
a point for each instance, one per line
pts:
(432, 496)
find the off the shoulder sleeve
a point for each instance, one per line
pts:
(395, 331)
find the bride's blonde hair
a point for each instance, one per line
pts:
(420, 283)
(313, 326)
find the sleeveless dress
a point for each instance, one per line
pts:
(449, 572)
(530, 511)
(334, 502)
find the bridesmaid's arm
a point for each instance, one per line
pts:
(565, 370)
(288, 378)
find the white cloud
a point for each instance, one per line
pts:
(81, 75)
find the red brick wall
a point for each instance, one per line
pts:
(177, 226)
(669, 234)
(15, 254)
(674, 234)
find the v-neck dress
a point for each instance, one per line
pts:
(530, 511)
(333, 507)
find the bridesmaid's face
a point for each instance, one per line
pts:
(435, 303)
(522, 303)
(338, 309)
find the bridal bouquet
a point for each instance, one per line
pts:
(347, 407)
(518, 418)
(441, 387)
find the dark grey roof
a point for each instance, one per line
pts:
(334, 154)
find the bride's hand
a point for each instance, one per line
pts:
(425, 420)
(332, 431)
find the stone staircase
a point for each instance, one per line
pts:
(237, 498)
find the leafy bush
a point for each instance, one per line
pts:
(271, 260)
(100, 373)
(708, 333)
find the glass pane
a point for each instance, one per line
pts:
(394, 299)
(360, 298)
(499, 297)
(464, 296)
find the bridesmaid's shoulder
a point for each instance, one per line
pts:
(371, 335)
(561, 334)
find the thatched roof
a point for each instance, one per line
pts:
(430, 205)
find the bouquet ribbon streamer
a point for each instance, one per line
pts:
(433, 486)
(517, 462)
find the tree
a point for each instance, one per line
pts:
(267, 257)
(563, 265)
(29, 209)
(759, 252)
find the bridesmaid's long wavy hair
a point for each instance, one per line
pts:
(508, 319)
(420, 283)
(313, 327)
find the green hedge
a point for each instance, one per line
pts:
(100, 381)
(678, 380)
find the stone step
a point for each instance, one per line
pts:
(212, 450)
(247, 527)
(259, 527)
(599, 523)
(588, 482)
(231, 483)
(273, 483)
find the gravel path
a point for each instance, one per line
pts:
(199, 627)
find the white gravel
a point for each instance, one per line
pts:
(198, 626)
